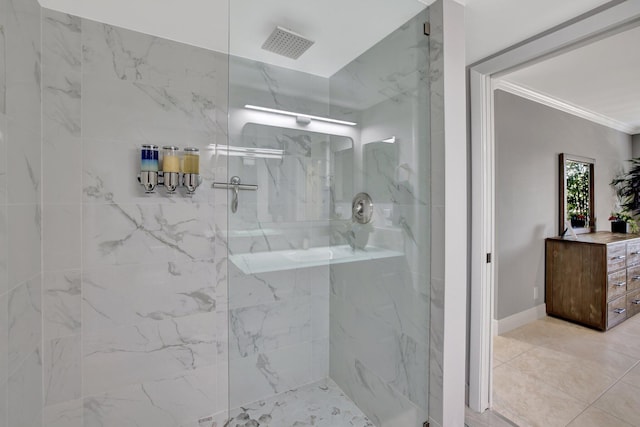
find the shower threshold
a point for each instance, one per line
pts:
(319, 404)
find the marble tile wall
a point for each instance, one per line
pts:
(437, 211)
(279, 321)
(21, 347)
(134, 298)
(114, 306)
(379, 311)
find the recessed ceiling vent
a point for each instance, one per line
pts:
(287, 43)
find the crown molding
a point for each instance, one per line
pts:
(566, 107)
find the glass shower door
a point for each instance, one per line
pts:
(380, 305)
(328, 318)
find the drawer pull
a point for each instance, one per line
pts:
(618, 257)
(635, 253)
(636, 277)
(636, 301)
(619, 310)
(621, 284)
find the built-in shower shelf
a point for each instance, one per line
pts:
(262, 262)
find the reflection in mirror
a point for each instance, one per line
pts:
(342, 171)
(293, 168)
(576, 193)
(380, 169)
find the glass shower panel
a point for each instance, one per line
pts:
(278, 272)
(379, 308)
(328, 319)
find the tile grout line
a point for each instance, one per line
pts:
(589, 405)
(607, 390)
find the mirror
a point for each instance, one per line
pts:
(290, 165)
(380, 169)
(576, 193)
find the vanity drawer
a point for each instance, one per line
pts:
(616, 311)
(633, 253)
(616, 284)
(633, 278)
(616, 256)
(633, 303)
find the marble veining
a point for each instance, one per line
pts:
(61, 304)
(132, 354)
(320, 404)
(154, 403)
(266, 327)
(62, 373)
(25, 322)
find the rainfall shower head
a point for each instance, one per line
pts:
(287, 43)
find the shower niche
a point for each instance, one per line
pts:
(301, 216)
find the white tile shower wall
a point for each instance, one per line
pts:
(134, 298)
(379, 332)
(279, 320)
(4, 261)
(437, 214)
(20, 215)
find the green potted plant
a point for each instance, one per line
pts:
(627, 188)
(619, 221)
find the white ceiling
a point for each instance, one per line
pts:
(601, 78)
(342, 30)
(491, 25)
(494, 25)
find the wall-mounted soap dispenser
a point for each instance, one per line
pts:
(191, 169)
(149, 167)
(170, 167)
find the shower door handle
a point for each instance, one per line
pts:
(234, 201)
(234, 184)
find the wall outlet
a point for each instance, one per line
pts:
(535, 292)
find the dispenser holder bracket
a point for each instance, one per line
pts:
(235, 185)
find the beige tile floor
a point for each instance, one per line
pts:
(554, 373)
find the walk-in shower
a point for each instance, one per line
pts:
(329, 316)
(257, 300)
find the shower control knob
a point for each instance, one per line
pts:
(362, 208)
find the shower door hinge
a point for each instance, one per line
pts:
(427, 28)
(425, 424)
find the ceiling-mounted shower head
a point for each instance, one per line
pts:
(287, 43)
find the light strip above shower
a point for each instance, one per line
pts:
(294, 114)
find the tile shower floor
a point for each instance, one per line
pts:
(555, 373)
(320, 404)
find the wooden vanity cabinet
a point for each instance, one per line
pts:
(594, 280)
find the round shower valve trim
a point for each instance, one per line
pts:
(362, 208)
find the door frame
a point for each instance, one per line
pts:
(610, 18)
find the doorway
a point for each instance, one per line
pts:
(482, 76)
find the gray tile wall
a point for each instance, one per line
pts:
(20, 215)
(134, 284)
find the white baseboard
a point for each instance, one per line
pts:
(514, 321)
